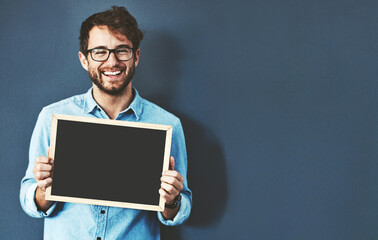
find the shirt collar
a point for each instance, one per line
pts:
(89, 102)
(136, 105)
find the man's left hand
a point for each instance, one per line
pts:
(171, 183)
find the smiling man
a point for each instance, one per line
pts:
(109, 51)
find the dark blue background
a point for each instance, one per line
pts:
(278, 101)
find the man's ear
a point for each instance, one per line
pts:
(136, 57)
(83, 60)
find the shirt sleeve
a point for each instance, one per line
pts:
(178, 151)
(39, 144)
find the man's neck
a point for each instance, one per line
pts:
(113, 105)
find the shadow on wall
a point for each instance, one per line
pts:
(157, 75)
(206, 178)
(206, 174)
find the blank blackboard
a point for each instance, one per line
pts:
(108, 162)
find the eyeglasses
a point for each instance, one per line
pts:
(102, 54)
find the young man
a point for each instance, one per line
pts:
(109, 51)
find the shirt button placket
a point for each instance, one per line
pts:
(101, 222)
(99, 112)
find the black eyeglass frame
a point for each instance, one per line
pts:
(112, 51)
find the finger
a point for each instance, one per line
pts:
(42, 159)
(48, 151)
(42, 175)
(40, 167)
(43, 184)
(171, 163)
(169, 179)
(43, 167)
(165, 195)
(174, 183)
(174, 174)
(169, 189)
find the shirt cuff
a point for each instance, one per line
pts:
(181, 216)
(30, 202)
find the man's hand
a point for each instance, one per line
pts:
(42, 172)
(43, 175)
(171, 186)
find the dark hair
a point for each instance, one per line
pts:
(117, 19)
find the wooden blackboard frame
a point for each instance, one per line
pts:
(54, 127)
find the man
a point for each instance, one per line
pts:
(109, 51)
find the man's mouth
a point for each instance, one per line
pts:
(111, 73)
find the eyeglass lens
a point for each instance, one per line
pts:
(122, 54)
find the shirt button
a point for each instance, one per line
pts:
(99, 109)
(102, 211)
(98, 238)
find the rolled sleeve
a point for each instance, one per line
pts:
(29, 205)
(181, 216)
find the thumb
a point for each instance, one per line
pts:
(171, 163)
(48, 154)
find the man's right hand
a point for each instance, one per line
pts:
(43, 172)
(43, 175)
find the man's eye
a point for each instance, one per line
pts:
(123, 51)
(100, 52)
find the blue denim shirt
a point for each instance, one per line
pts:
(82, 221)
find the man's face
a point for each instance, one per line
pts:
(111, 76)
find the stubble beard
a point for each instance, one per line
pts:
(96, 77)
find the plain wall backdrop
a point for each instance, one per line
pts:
(278, 101)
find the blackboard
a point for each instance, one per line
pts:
(108, 162)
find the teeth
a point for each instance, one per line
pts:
(112, 73)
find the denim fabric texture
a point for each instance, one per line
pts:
(82, 221)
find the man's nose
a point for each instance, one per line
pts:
(112, 60)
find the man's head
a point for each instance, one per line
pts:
(111, 29)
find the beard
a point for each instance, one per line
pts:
(114, 90)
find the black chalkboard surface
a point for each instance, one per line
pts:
(108, 162)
